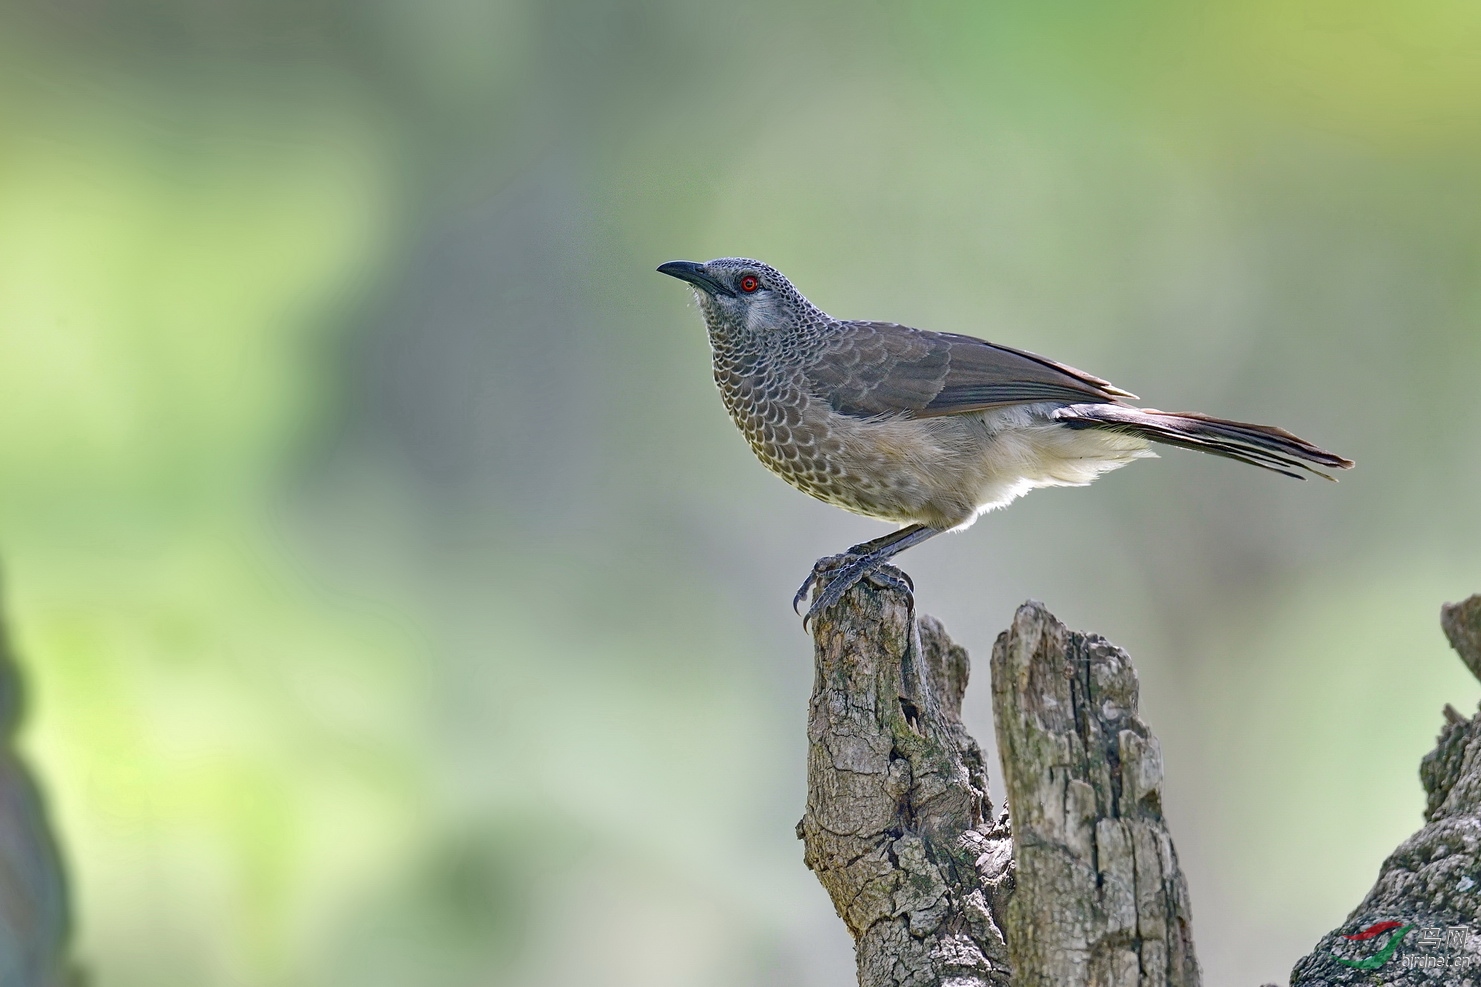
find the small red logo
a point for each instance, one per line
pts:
(1385, 953)
(1376, 929)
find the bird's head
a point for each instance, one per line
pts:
(740, 294)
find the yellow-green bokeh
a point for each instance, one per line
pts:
(396, 603)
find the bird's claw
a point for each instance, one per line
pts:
(847, 571)
(816, 575)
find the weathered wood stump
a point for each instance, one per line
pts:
(1077, 883)
(1100, 899)
(900, 830)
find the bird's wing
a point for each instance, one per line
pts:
(879, 368)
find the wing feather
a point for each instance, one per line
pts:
(879, 368)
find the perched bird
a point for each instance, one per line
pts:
(927, 429)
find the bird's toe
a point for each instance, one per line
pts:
(842, 580)
(816, 577)
(888, 577)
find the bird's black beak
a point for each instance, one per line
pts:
(688, 270)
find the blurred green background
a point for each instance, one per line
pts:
(398, 604)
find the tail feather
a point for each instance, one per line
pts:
(1265, 446)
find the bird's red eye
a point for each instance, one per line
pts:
(749, 283)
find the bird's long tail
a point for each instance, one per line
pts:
(1259, 445)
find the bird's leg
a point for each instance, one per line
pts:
(859, 562)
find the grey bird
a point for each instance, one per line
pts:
(929, 430)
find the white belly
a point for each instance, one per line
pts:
(1026, 450)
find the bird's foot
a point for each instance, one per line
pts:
(835, 575)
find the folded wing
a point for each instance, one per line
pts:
(879, 368)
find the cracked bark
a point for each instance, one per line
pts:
(1432, 881)
(899, 828)
(1100, 899)
(1086, 890)
(900, 831)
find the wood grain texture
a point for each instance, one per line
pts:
(900, 831)
(899, 828)
(1084, 887)
(1099, 897)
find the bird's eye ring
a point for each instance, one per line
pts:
(749, 283)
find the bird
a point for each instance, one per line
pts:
(928, 430)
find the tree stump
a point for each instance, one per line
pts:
(1077, 883)
(900, 831)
